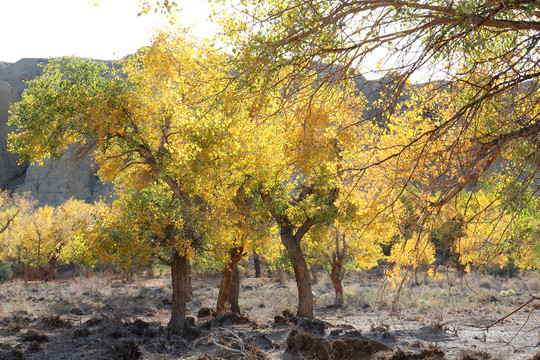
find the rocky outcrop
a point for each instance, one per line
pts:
(10, 171)
(53, 182)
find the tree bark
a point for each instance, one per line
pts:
(335, 275)
(179, 274)
(257, 264)
(234, 293)
(301, 272)
(51, 273)
(230, 283)
(189, 289)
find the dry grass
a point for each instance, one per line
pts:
(120, 304)
(266, 296)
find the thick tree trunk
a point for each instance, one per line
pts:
(189, 289)
(234, 293)
(257, 264)
(51, 273)
(230, 283)
(335, 275)
(301, 272)
(179, 274)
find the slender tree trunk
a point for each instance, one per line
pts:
(179, 275)
(314, 272)
(335, 275)
(301, 272)
(257, 264)
(51, 273)
(230, 287)
(25, 272)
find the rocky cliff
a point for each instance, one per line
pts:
(53, 182)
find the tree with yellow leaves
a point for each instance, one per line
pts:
(166, 118)
(38, 235)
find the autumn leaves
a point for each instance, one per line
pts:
(205, 164)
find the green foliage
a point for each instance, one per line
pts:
(5, 272)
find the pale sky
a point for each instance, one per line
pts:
(109, 31)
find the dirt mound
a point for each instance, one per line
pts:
(81, 333)
(426, 353)
(419, 351)
(127, 349)
(10, 352)
(77, 311)
(206, 312)
(33, 335)
(313, 326)
(303, 345)
(230, 319)
(191, 333)
(94, 320)
(53, 322)
(477, 355)
(142, 328)
(11, 325)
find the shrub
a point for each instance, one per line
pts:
(5, 272)
(509, 270)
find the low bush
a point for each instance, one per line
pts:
(5, 272)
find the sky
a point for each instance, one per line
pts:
(108, 31)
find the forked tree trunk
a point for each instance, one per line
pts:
(51, 273)
(230, 283)
(301, 272)
(179, 275)
(257, 264)
(291, 241)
